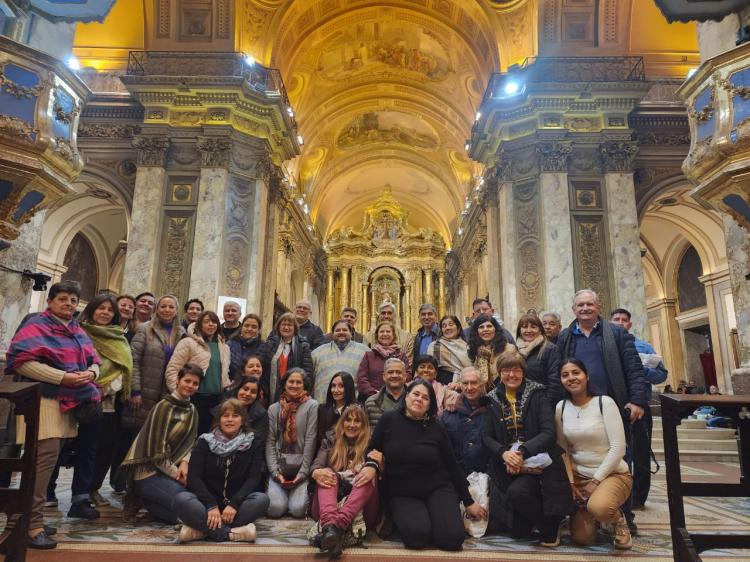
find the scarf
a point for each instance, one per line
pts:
(514, 423)
(45, 339)
(167, 435)
(114, 351)
(386, 350)
(482, 362)
(222, 446)
(288, 416)
(277, 375)
(526, 348)
(457, 356)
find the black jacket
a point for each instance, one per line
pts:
(465, 427)
(300, 357)
(537, 416)
(207, 478)
(240, 349)
(621, 360)
(544, 367)
(313, 334)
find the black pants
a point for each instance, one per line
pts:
(85, 446)
(204, 403)
(525, 495)
(435, 519)
(641, 435)
(106, 450)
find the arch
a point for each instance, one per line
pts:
(80, 261)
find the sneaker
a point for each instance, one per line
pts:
(41, 541)
(188, 534)
(83, 510)
(622, 540)
(245, 533)
(99, 500)
(51, 501)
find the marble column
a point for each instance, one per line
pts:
(507, 258)
(671, 342)
(329, 296)
(738, 259)
(141, 268)
(365, 312)
(15, 291)
(559, 276)
(406, 320)
(344, 287)
(417, 296)
(258, 226)
(625, 249)
(428, 292)
(441, 293)
(494, 272)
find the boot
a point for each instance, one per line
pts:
(338, 547)
(328, 538)
(622, 538)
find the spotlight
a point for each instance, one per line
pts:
(467, 146)
(478, 116)
(300, 140)
(40, 280)
(72, 63)
(691, 72)
(511, 87)
(460, 231)
(249, 60)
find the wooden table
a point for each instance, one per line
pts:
(16, 503)
(675, 407)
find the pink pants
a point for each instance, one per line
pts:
(365, 498)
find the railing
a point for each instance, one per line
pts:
(261, 79)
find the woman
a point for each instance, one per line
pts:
(101, 321)
(590, 430)
(423, 481)
(206, 348)
(290, 447)
(370, 372)
(222, 500)
(151, 348)
(517, 432)
(340, 458)
(126, 308)
(157, 462)
(284, 349)
(486, 343)
(341, 393)
(427, 370)
(541, 355)
(247, 391)
(450, 350)
(246, 342)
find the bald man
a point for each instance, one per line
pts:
(311, 332)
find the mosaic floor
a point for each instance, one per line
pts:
(109, 534)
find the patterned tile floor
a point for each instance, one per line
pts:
(110, 533)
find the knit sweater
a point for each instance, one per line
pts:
(594, 440)
(307, 434)
(328, 360)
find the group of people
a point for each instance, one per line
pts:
(205, 423)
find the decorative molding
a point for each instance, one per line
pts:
(163, 19)
(215, 152)
(108, 130)
(176, 250)
(618, 156)
(66, 149)
(23, 92)
(16, 129)
(590, 267)
(662, 138)
(553, 156)
(237, 227)
(151, 151)
(528, 245)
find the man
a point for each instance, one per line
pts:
(53, 349)
(655, 373)
(428, 333)
(350, 315)
(192, 309)
(464, 424)
(387, 313)
(311, 332)
(394, 377)
(231, 313)
(145, 304)
(342, 354)
(613, 364)
(483, 307)
(552, 325)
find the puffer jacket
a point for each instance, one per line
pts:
(240, 349)
(148, 370)
(193, 349)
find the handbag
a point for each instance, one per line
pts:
(289, 465)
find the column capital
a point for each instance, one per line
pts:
(618, 156)
(215, 151)
(151, 150)
(553, 156)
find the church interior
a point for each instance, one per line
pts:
(355, 152)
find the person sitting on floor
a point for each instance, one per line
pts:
(247, 391)
(223, 499)
(426, 368)
(157, 462)
(339, 460)
(340, 394)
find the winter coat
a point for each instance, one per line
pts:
(149, 363)
(194, 349)
(300, 357)
(239, 350)
(464, 426)
(378, 404)
(544, 367)
(370, 373)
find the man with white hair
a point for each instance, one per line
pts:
(387, 313)
(231, 313)
(552, 324)
(311, 332)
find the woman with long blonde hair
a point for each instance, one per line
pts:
(341, 456)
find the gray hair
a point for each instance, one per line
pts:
(470, 369)
(232, 303)
(385, 305)
(592, 292)
(427, 306)
(554, 315)
(392, 360)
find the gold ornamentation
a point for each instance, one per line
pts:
(16, 129)
(65, 149)
(181, 192)
(18, 91)
(61, 115)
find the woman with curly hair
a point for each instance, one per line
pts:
(486, 342)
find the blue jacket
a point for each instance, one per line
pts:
(653, 376)
(421, 335)
(464, 427)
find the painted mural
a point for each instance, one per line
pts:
(387, 126)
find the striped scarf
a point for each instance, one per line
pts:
(288, 417)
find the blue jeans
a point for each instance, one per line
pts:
(194, 514)
(158, 493)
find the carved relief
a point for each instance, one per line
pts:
(239, 213)
(528, 248)
(215, 152)
(16, 129)
(223, 23)
(108, 131)
(65, 149)
(163, 22)
(618, 156)
(183, 154)
(151, 151)
(553, 156)
(175, 250)
(590, 268)
(660, 138)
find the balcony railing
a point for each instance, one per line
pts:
(261, 79)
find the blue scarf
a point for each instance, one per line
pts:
(223, 447)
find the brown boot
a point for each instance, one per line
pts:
(622, 538)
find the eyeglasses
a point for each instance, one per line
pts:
(511, 370)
